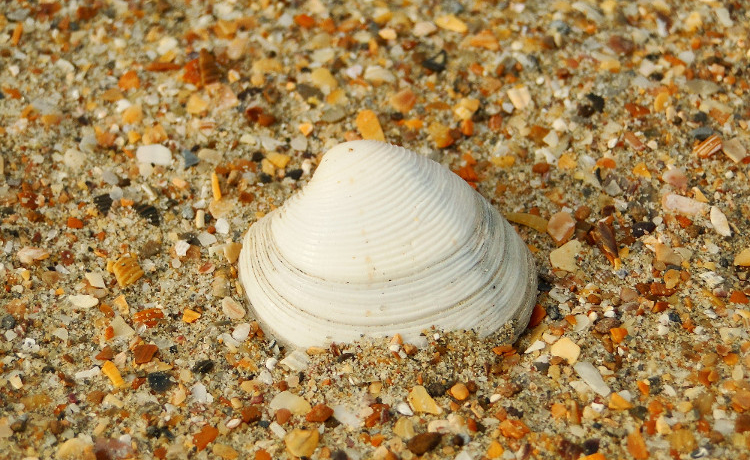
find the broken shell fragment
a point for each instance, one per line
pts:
(384, 241)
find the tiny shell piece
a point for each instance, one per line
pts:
(127, 271)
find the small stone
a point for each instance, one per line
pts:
(323, 79)
(561, 227)
(682, 440)
(617, 402)
(196, 105)
(82, 301)
(74, 159)
(452, 23)
(204, 437)
(28, 255)
(224, 451)
(404, 428)
(743, 258)
(76, 448)
(144, 353)
(495, 450)
(232, 309)
(251, 414)
(301, 442)
(440, 135)
(592, 377)
(519, 97)
(319, 413)
(514, 429)
(637, 446)
(675, 177)
(566, 349)
(484, 39)
(682, 204)
(564, 257)
(734, 149)
(154, 153)
(288, 400)
(403, 101)
(459, 391)
(719, 221)
(421, 401)
(742, 423)
(369, 126)
(423, 442)
(423, 28)
(159, 381)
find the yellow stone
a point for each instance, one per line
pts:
(190, 316)
(566, 349)
(132, 115)
(421, 401)
(196, 104)
(743, 258)
(459, 391)
(301, 443)
(611, 65)
(661, 101)
(617, 402)
(322, 78)
(215, 188)
(495, 450)
(503, 161)
(566, 162)
(306, 128)
(642, 170)
(369, 126)
(452, 23)
(278, 159)
(110, 370)
(404, 428)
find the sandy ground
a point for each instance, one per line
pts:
(139, 140)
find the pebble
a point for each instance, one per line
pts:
(459, 391)
(592, 377)
(421, 401)
(682, 204)
(301, 442)
(561, 227)
(719, 221)
(743, 258)
(232, 309)
(83, 300)
(159, 381)
(404, 428)
(155, 154)
(319, 413)
(423, 442)
(288, 400)
(566, 349)
(564, 257)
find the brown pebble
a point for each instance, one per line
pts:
(742, 424)
(319, 413)
(251, 414)
(283, 416)
(423, 442)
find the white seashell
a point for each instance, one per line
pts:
(384, 241)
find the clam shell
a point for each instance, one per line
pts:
(384, 241)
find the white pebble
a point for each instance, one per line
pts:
(222, 226)
(592, 377)
(154, 153)
(241, 332)
(719, 221)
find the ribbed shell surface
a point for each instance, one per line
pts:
(384, 241)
